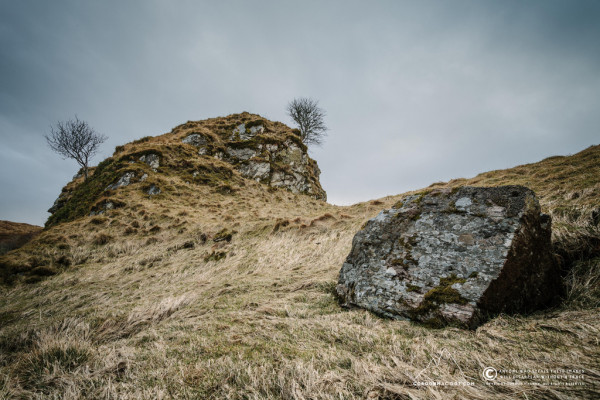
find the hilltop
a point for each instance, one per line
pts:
(209, 278)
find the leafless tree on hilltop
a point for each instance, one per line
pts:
(309, 117)
(75, 139)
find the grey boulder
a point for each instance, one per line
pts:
(453, 257)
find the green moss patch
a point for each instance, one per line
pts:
(441, 294)
(212, 175)
(444, 295)
(412, 288)
(83, 196)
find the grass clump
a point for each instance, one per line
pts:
(215, 256)
(102, 239)
(224, 235)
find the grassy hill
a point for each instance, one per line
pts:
(200, 292)
(14, 235)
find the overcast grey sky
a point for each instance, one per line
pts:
(415, 91)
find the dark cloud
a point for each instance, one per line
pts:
(415, 92)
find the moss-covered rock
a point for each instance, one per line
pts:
(492, 253)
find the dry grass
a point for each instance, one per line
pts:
(149, 314)
(14, 235)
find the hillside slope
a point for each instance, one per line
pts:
(206, 292)
(15, 234)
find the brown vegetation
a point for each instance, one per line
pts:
(164, 311)
(14, 235)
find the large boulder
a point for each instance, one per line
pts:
(453, 257)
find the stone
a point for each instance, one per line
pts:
(153, 160)
(453, 257)
(241, 133)
(256, 170)
(195, 139)
(153, 190)
(125, 180)
(59, 203)
(295, 182)
(242, 154)
(103, 207)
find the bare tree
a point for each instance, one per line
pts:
(75, 139)
(309, 117)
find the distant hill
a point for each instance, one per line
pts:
(14, 235)
(202, 264)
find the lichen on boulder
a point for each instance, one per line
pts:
(453, 257)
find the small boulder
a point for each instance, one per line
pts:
(153, 160)
(200, 141)
(453, 257)
(153, 190)
(195, 139)
(125, 180)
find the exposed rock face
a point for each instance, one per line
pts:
(125, 180)
(242, 154)
(60, 201)
(256, 170)
(195, 140)
(258, 154)
(453, 257)
(153, 160)
(241, 133)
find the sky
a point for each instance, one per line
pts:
(415, 92)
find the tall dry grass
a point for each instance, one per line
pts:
(150, 314)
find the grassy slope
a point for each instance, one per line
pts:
(140, 314)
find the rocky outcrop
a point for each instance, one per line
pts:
(453, 257)
(259, 153)
(257, 170)
(60, 202)
(264, 151)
